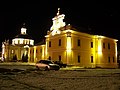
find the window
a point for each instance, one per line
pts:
(40, 50)
(91, 59)
(59, 58)
(104, 45)
(91, 44)
(49, 58)
(108, 45)
(49, 43)
(78, 58)
(78, 42)
(109, 59)
(113, 59)
(59, 42)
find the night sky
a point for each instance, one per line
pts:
(99, 17)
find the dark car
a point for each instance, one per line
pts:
(47, 65)
(61, 64)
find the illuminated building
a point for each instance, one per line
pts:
(74, 48)
(63, 42)
(19, 47)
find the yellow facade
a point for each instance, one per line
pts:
(10, 51)
(65, 43)
(79, 49)
(36, 53)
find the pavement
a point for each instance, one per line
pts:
(24, 66)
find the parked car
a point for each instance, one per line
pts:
(47, 65)
(61, 64)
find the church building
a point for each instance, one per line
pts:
(65, 43)
(18, 50)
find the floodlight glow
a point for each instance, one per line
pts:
(31, 42)
(23, 30)
(99, 47)
(57, 23)
(43, 52)
(26, 46)
(69, 44)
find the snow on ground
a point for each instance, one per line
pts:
(28, 78)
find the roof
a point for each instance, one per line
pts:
(40, 43)
(25, 36)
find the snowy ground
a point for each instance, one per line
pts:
(28, 78)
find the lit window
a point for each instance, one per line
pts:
(18, 41)
(21, 41)
(23, 30)
(31, 42)
(27, 41)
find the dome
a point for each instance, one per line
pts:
(24, 36)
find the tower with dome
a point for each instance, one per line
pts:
(19, 48)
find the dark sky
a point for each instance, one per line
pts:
(101, 17)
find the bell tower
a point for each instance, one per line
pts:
(57, 23)
(23, 29)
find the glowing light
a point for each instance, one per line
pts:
(35, 54)
(68, 44)
(43, 51)
(99, 36)
(21, 41)
(12, 51)
(57, 23)
(46, 52)
(99, 47)
(26, 46)
(23, 30)
(116, 48)
(3, 48)
(55, 32)
(31, 42)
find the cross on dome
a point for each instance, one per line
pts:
(23, 29)
(58, 11)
